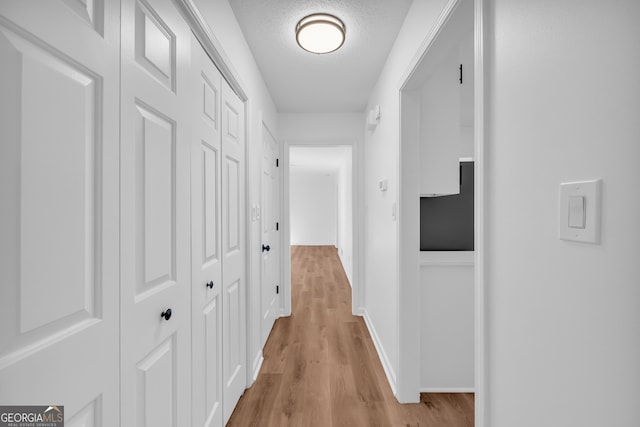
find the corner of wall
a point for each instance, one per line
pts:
(382, 355)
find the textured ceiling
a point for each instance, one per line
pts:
(302, 82)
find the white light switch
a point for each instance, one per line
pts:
(579, 211)
(576, 211)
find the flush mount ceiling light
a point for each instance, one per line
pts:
(320, 33)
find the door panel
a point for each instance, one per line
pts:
(59, 230)
(232, 206)
(155, 45)
(90, 11)
(155, 216)
(156, 405)
(206, 241)
(211, 205)
(213, 359)
(232, 330)
(270, 235)
(89, 416)
(233, 251)
(155, 147)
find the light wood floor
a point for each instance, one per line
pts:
(321, 367)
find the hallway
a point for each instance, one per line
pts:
(321, 368)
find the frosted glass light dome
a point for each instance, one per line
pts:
(320, 33)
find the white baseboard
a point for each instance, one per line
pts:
(344, 268)
(447, 390)
(382, 355)
(257, 364)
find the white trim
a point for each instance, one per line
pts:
(447, 258)
(257, 365)
(285, 301)
(382, 355)
(344, 267)
(248, 276)
(212, 46)
(428, 41)
(447, 390)
(481, 190)
(359, 239)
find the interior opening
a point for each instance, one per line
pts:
(321, 200)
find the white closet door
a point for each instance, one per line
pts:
(270, 233)
(206, 243)
(233, 250)
(59, 79)
(155, 216)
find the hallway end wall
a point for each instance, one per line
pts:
(313, 207)
(259, 108)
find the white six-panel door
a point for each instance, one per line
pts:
(59, 207)
(233, 250)
(206, 243)
(155, 215)
(270, 233)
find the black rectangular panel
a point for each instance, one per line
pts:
(446, 222)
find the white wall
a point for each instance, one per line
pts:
(224, 26)
(563, 318)
(345, 215)
(447, 322)
(319, 129)
(381, 162)
(313, 207)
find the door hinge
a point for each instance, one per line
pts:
(277, 289)
(277, 226)
(277, 163)
(460, 73)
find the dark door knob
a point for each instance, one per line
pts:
(210, 285)
(166, 314)
(266, 248)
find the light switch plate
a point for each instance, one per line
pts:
(579, 211)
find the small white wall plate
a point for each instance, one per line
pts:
(580, 222)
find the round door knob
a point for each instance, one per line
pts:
(210, 285)
(266, 248)
(166, 314)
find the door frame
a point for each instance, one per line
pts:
(408, 278)
(357, 214)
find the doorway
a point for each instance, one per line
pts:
(442, 98)
(320, 206)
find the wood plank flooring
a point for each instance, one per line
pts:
(321, 368)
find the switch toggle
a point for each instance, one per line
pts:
(576, 211)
